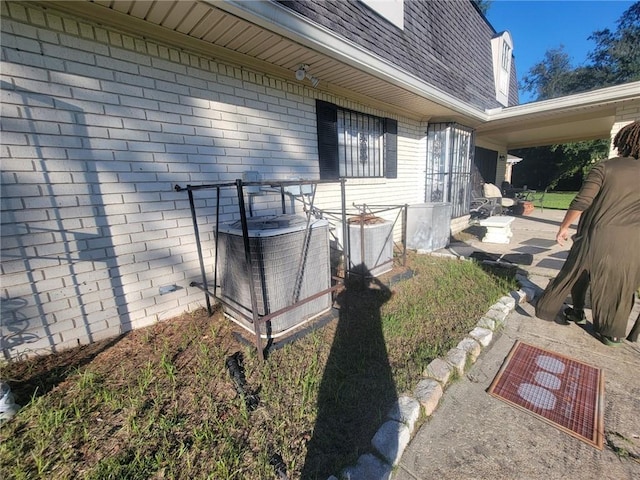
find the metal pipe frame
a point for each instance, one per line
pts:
(257, 319)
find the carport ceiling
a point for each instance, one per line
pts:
(547, 128)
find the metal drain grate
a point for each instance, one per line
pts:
(562, 391)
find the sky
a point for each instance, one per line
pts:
(541, 25)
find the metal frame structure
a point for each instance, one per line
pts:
(309, 209)
(364, 212)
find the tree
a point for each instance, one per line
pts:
(617, 54)
(483, 5)
(615, 60)
(551, 166)
(551, 77)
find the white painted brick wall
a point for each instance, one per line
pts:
(98, 127)
(626, 113)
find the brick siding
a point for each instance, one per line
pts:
(97, 128)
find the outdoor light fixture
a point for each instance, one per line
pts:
(303, 72)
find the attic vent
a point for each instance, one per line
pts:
(391, 10)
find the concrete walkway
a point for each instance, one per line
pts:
(472, 435)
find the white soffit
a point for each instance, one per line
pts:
(583, 116)
(299, 29)
(268, 37)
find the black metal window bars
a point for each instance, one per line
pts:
(310, 210)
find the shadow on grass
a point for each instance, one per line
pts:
(41, 374)
(357, 389)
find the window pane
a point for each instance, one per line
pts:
(360, 144)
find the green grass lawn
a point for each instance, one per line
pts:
(558, 200)
(159, 402)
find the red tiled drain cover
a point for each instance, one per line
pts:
(562, 391)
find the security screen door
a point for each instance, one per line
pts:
(448, 172)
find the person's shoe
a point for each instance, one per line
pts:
(576, 316)
(610, 341)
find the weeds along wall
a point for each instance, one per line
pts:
(97, 128)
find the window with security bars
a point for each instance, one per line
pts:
(360, 145)
(448, 173)
(354, 144)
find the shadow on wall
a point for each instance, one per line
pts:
(91, 225)
(54, 294)
(357, 389)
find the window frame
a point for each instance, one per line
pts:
(329, 154)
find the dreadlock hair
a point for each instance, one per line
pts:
(627, 140)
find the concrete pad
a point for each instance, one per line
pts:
(498, 229)
(473, 435)
(497, 221)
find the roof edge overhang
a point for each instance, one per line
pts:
(593, 98)
(296, 28)
(580, 117)
(502, 126)
(292, 25)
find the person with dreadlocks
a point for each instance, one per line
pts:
(605, 255)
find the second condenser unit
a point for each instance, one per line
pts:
(369, 244)
(428, 226)
(289, 263)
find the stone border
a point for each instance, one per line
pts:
(396, 432)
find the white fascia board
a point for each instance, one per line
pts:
(298, 28)
(602, 96)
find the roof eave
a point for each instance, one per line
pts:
(593, 98)
(290, 24)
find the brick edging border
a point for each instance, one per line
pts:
(391, 439)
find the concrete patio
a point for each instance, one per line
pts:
(472, 435)
(533, 234)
